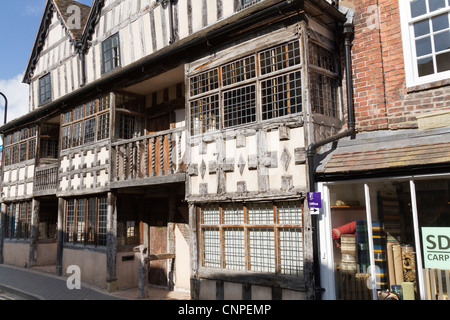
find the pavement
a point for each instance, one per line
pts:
(43, 284)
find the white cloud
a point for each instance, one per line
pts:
(17, 94)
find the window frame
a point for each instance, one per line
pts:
(78, 228)
(409, 48)
(245, 258)
(78, 116)
(45, 82)
(249, 70)
(20, 146)
(18, 223)
(115, 53)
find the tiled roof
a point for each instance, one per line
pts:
(388, 158)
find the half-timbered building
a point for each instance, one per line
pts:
(166, 144)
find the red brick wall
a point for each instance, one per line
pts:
(381, 98)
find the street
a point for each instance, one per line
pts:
(5, 295)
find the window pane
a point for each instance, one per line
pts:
(239, 106)
(211, 247)
(440, 22)
(70, 223)
(422, 28)
(234, 239)
(260, 213)
(289, 212)
(280, 57)
(418, 7)
(210, 215)
(262, 251)
(436, 4)
(425, 66)
(240, 70)
(443, 62)
(205, 115)
(204, 82)
(423, 46)
(80, 220)
(281, 96)
(103, 127)
(89, 130)
(442, 41)
(291, 248)
(233, 213)
(433, 211)
(77, 138)
(102, 220)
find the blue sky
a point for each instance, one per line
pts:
(19, 23)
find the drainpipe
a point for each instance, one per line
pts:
(172, 33)
(351, 131)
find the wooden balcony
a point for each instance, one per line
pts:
(46, 179)
(148, 160)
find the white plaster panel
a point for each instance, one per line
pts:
(76, 161)
(103, 155)
(89, 159)
(20, 190)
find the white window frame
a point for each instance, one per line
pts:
(409, 49)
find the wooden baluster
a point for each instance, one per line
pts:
(146, 157)
(161, 155)
(117, 148)
(170, 138)
(131, 162)
(153, 157)
(179, 160)
(124, 162)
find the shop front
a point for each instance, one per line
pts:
(386, 238)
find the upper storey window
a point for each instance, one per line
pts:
(258, 87)
(426, 40)
(45, 89)
(111, 53)
(244, 4)
(86, 123)
(20, 146)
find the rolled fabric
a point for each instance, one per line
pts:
(349, 228)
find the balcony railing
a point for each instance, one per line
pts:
(46, 178)
(152, 156)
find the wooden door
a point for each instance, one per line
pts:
(159, 211)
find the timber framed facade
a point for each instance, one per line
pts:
(158, 140)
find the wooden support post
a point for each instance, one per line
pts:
(2, 229)
(111, 243)
(171, 238)
(195, 284)
(143, 271)
(34, 233)
(60, 237)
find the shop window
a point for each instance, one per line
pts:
(86, 221)
(390, 228)
(257, 237)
